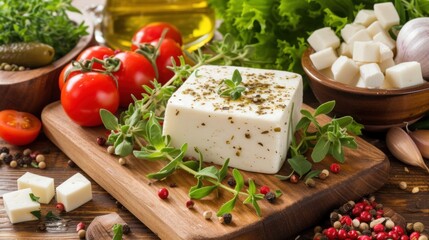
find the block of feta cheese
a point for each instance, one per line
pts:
(19, 205)
(365, 17)
(386, 64)
(42, 187)
(323, 58)
(385, 52)
(74, 192)
(253, 131)
(344, 49)
(405, 74)
(344, 70)
(349, 30)
(386, 14)
(370, 76)
(366, 51)
(384, 38)
(323, 38)
(374, 28)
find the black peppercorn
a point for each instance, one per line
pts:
(227, 218)
(373, 212)
(367, 232)
(18, 155)
(126, 229)
(8, 159)
(231, 182)
(4, 150)
(345, 208)
(27, 160)
(379, 206)
(42, 226)
(334, 217)
(270, 197)
(101, 141)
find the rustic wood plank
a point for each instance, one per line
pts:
(365, 171)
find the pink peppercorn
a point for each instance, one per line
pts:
(414, 236)
(264, 189)
(163, 193)
(342, 234)
(379, 228)
(365, 216)
(353, 234)
(399, 230)
(335, 168)
(331, 233)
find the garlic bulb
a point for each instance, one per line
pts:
(412, 43)
(403, 148)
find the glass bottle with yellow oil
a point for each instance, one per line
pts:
(122, 18)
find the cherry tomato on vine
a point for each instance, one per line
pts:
(19, 128)
(85, 94)
(99, 52)
(135, 71)
(153, 31)
(62, 78)
(167, 49)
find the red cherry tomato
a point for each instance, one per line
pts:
(85, 94)
(19, 128)
(99, 52)
(153, 31)
(134, 72)
(168, 49)
(62, 78)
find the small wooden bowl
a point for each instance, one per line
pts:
(31, 90)
(376, 109)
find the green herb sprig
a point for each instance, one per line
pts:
(231, 88)
(40, 21)
(117, 231)
(329, 139)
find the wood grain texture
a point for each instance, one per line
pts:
(365, 171)
(31, 90)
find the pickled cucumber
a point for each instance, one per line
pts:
(32, 55)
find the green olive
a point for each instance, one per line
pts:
(31, 55)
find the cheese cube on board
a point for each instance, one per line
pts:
(384, 38)
(374, 28)
(323, 38)
(74, 192)
(386, 64)
(252, 131)
(366, 51)
(386, 14)
(365, 17)
(323, 58)
(42, 187)
(370, 76)
(405, 74)
(344, 70)
(19, 205)
(349, 30)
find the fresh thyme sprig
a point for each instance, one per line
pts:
(231, 88)
(329, 139)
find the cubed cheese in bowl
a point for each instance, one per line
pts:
(253, 131)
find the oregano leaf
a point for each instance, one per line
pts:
(109, 120)
(299, 164)
(324, 108)
(320, 150)
(201, 192)
(227, 207)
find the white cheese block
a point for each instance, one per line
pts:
(344, 70)
(371, 76)
(19, 205)
(323, 58)
(323, 38)
(374, 28)
(74, 192)
(366, 52)
(252, 131)
(349, 30)
(405, 74)
(385, 52)
(360, 36)
(386, 64)
(384, 38)
(365, 17)
(42, 187)
(386, 14)
(344, 49)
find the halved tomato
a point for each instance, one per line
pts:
(19, 128)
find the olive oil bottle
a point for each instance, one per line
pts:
(121, 19)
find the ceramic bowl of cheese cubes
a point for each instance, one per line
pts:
(357, 69)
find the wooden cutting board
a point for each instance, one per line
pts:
(366, 170)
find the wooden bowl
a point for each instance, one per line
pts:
(376, 109)
(31, 90)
